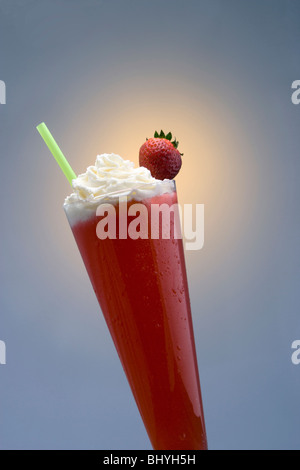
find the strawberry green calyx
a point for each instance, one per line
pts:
(168, 136)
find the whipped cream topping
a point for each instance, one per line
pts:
(111, 177)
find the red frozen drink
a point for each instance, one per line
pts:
(141, 286)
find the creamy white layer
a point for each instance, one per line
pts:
(110, 178)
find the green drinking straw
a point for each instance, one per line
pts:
(56, 152)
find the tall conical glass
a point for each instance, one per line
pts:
(142, 289)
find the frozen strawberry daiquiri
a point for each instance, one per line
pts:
(141, 286)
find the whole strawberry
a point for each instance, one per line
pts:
(161, 156)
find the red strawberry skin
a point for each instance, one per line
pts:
(161, 158)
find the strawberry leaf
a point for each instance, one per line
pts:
(175, 143)
(169, 136)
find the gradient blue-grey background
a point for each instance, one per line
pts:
(104, 75)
